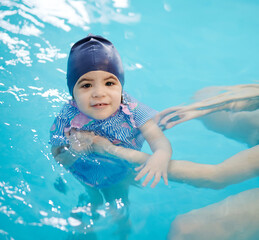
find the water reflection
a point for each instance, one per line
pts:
(29, 18)
(26, 29)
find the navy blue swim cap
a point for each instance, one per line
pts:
(93, 53)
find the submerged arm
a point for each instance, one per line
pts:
(231, 98)
(64, 155)
(236, 217)
(80, 142)
(242, 166)
(237, 168)
(104, 147)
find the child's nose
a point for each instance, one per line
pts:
(98, 91)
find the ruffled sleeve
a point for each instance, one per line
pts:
(139, 113)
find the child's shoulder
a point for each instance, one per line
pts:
(139, 112)
(129, 101)
(127, 97)
(135, 105)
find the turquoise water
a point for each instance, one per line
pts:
(170, 49)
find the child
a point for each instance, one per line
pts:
(100, 107)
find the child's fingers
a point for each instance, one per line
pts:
(148, 179)
(139, 168)
(156, 180)
(165, 177)
(141, 174)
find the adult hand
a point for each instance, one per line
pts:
(211, 99)
(80, 141)
(175, 115)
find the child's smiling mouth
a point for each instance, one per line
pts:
(99, 105)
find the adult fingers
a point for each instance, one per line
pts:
(168, 117)
(161, 115)
(169, 111)
(172, 124)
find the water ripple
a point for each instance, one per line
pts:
(29, 18)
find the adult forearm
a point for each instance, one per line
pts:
(240, 167)
(195, 174)
(130, 155)
(237, 168)
(199, 175)
(65, 155)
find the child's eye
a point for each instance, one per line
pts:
(109, 83)
(86, 85)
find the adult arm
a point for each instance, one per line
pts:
(64, 155)
(242, 166)
(80, 142)
(236, 217)
(234, 98)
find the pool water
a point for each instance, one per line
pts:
(170, 49)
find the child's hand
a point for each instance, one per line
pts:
(80, 141)
(156, 166)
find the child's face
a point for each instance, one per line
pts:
(98, 94)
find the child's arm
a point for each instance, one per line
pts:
(157, 164)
